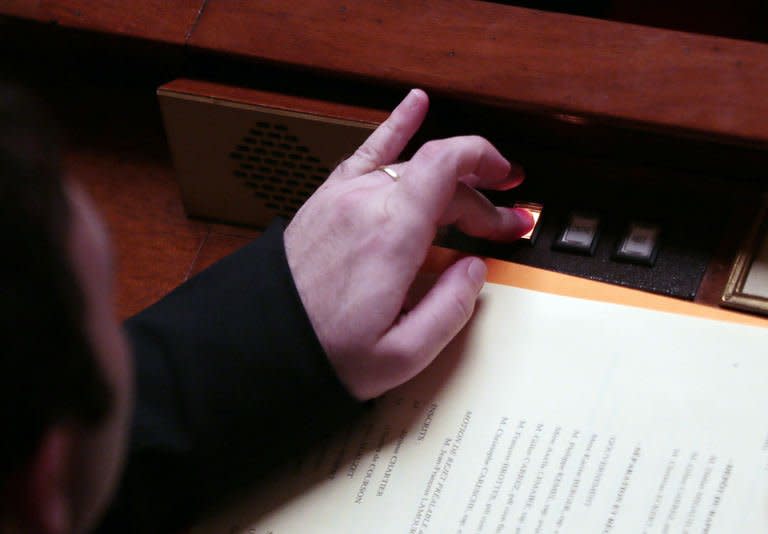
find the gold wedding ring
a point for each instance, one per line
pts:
(389, 171)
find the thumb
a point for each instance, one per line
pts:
(421, 334)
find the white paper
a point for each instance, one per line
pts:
(548, 414)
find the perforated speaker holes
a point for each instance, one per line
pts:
(280, 171)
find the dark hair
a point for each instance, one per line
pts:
(47, 370)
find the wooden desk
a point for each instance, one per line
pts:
(503, 55)
(167, 21)
(612, 92)
(133, 184)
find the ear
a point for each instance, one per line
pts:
(44, 488)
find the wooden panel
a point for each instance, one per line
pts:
(159, 20)
(511, 57)
(155, 244)
(28, 9)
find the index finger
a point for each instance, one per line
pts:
(386, 143)
(430, 177)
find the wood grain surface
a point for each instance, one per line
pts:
(492, 53)
(168, 21)
(511, 57)
(116, 150)
(155, 245)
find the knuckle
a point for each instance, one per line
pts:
(400, 356)
(477, 146)
(402, 359)
(432, 149)
(443, 326)
(391, 126)
(369, 153)
(461, 306)
(343, 168)
(479, 141)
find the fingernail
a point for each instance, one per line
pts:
(477, 272)
(515, 177)
(412, 96)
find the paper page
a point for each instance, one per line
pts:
(548, 414)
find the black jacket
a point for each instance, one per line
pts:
(230, 381)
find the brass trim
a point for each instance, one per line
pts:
(167, 93)
(734, 295)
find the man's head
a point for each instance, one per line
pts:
(64, 367)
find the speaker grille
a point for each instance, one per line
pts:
(245, 156)
(277, 167)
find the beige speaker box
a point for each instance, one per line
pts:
(244, 156)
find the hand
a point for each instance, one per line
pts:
(355, 248)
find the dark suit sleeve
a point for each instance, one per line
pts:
(230, 381)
